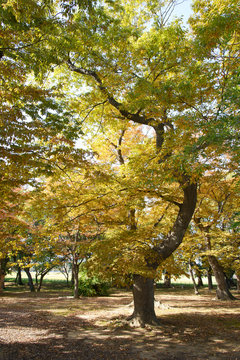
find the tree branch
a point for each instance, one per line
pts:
(140, 119)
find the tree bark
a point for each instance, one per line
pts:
(67, 279)
(175, 236)
(222, 291)
(199, 277)
(2, 278)
(75, 276)
(143, 297)
(3, 271)
(30, 280)
(42, 277)
(72, 274)
(238, 282)
(209, 276)
(19, 276)
(40, 283)
(193, 279)
(143, 290)
(36, 278)
(167, 280)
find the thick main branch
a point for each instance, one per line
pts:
(175, 236)
(140, 119)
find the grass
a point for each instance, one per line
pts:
(50, 285)
(55, 281)
(52, 275)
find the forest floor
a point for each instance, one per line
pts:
(52, 325)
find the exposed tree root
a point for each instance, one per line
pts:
(139, 321)
(224, 295)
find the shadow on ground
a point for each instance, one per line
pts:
(31, 330)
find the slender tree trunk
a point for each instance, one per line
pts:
(72, 278)
(30, 280)
(209, 276)
(199, 277)
(229, 280)
(222, 291)
(200, 282)
(2, 278)
(40, 282)
(3, 271)
(75, 276)
(36, 278)
(19, 276)
(143, 296)
(43, 274)
(193, 279)
(167, 280)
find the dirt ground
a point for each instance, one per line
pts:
(52, 325)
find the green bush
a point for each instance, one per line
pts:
(93, 286)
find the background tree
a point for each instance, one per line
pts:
(66, 204)
(217, 202)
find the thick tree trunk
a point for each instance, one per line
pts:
(175, 236)
(143, 290)
(143, 297)
(222, 291)
(30, 280)
(210, 284)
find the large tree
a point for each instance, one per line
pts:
(124, 63)
(138, 68)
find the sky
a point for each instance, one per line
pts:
(183, 9)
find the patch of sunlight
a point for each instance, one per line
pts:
(60, 311)
(89, 335)
(25, 335)
(216, 340)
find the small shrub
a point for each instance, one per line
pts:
(93, 286)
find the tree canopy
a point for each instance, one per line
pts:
(156, 105)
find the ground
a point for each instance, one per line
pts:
(52, 325)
